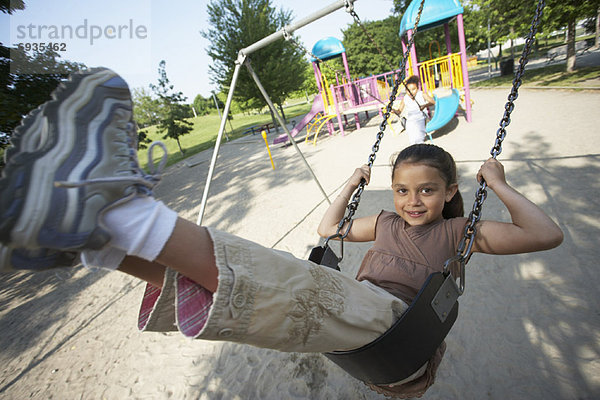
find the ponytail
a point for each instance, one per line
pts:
(454, 208)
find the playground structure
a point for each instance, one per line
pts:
(447, 73)
(346, 97)
(372, 93)
(323, 109)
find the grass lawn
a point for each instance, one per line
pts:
(553, 75)
(204, 132)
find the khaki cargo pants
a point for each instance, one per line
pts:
(268, 298)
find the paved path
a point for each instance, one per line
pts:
(528, 327)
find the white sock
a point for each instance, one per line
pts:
(140, 227)
(108, 257)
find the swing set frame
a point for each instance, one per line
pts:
(243, 59)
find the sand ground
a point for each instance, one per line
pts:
(528, 327)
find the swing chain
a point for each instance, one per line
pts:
(466, 244)
(366, 32)
(387, 61)
(353, 205)
(514, 93)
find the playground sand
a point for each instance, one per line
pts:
(528, 325)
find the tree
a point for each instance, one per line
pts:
(508, 20)
(172, 108)
(236, 24)
(26, 81)
(10, 6)
(203, 105)
(364, 58)
(309, 85)
(597, 29)
(146, 109)
(566, 13)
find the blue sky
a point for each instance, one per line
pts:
(132, 36)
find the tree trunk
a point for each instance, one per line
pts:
(282, 113)
(571, 56)
(512, 49)
(597, 43)
(499, 55)
(180, 148)
(512, 43)
(275, 123)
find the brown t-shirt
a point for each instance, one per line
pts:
(403, 256)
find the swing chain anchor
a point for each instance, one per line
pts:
(340, 236)
(349, 4)
(463, 253)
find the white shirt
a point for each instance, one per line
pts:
(413, 111)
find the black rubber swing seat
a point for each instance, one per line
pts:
(411, 341)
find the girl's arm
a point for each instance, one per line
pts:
(363, 229)
(430, 101)
(400, 108)
(531, 229)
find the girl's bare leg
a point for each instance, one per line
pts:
(148, 271)
(190, 252)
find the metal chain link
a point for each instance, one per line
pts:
(466, 244)
(390, 65)
(350, 9)
(357, 20)
(353, 205)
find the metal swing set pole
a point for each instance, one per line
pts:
(242, 59)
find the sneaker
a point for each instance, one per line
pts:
(35, 260)
(54, 197)
(30, 136)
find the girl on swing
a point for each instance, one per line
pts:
(72, 185)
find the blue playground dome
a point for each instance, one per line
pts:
(327, 48)
(435, 13)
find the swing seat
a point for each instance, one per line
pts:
(323, 255)
(411, 341)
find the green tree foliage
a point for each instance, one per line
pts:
(173, 111)
(566, 14)
(203, 105)
(10, 6)
(511, 19)
(22, 90)
(236, 24)
(364, 59)
(363, 55)
(146, 109)
(26, 79)
(309, 86)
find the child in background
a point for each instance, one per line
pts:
(72, 184)
(415, 101)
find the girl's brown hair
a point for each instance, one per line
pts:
(440, 159)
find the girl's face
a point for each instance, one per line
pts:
(420, 193)
(412, 88)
